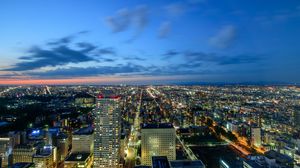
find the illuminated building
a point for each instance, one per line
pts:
(62, 145)
(76, 160)
(5, 151)
(23, 153)
(45, 157)
(256, 136)
(83, 140)
(84, 100)
(107, 132)
(158, 140)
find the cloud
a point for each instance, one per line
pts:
(67, 39)
(38, 58)
(107, 51)
(164, 29)
(136, 18)
(224, 38)
(120, 21)
(176, 9)
(89, 71)
(59, 52)
(170, 54)
(134, 58)
(86, 47)
(221, 59)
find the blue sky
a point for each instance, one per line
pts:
(187, 40)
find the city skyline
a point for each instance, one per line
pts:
(149, 42)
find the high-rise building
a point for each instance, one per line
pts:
(158, 140)
(23, 153)
(256, 136)
(107, 131)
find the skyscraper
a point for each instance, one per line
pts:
(107, 131)
(158, 140)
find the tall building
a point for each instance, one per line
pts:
(158, 140)
(256, 136)
(107, 131)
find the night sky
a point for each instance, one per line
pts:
(149, 42)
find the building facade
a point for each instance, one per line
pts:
(107, 132)
(158, 140)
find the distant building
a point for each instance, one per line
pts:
(107, 131)
(158, 140)
(276, 159)
(83, 140)
(23, 153)
(256, 136)
(84, 100)
(78, 160)
(270, 159)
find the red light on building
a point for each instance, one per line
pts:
(100, 96)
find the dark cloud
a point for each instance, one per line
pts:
(224, 38)
(120, 21)
(134, 58)
(136, 18)
(89, 71)
(86, 47)
(38, 58)
(164, 29)
(67, 39)
(170, 54)
(221, 60)
(107, 51)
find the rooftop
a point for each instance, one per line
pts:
(187, 164)
(160, 125)
(77, 157)
(160, 162)
(84, 131)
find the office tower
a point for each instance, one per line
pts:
(107, 131)
(256, 136)
(83, 140)
(158, 140)
(23, 153)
